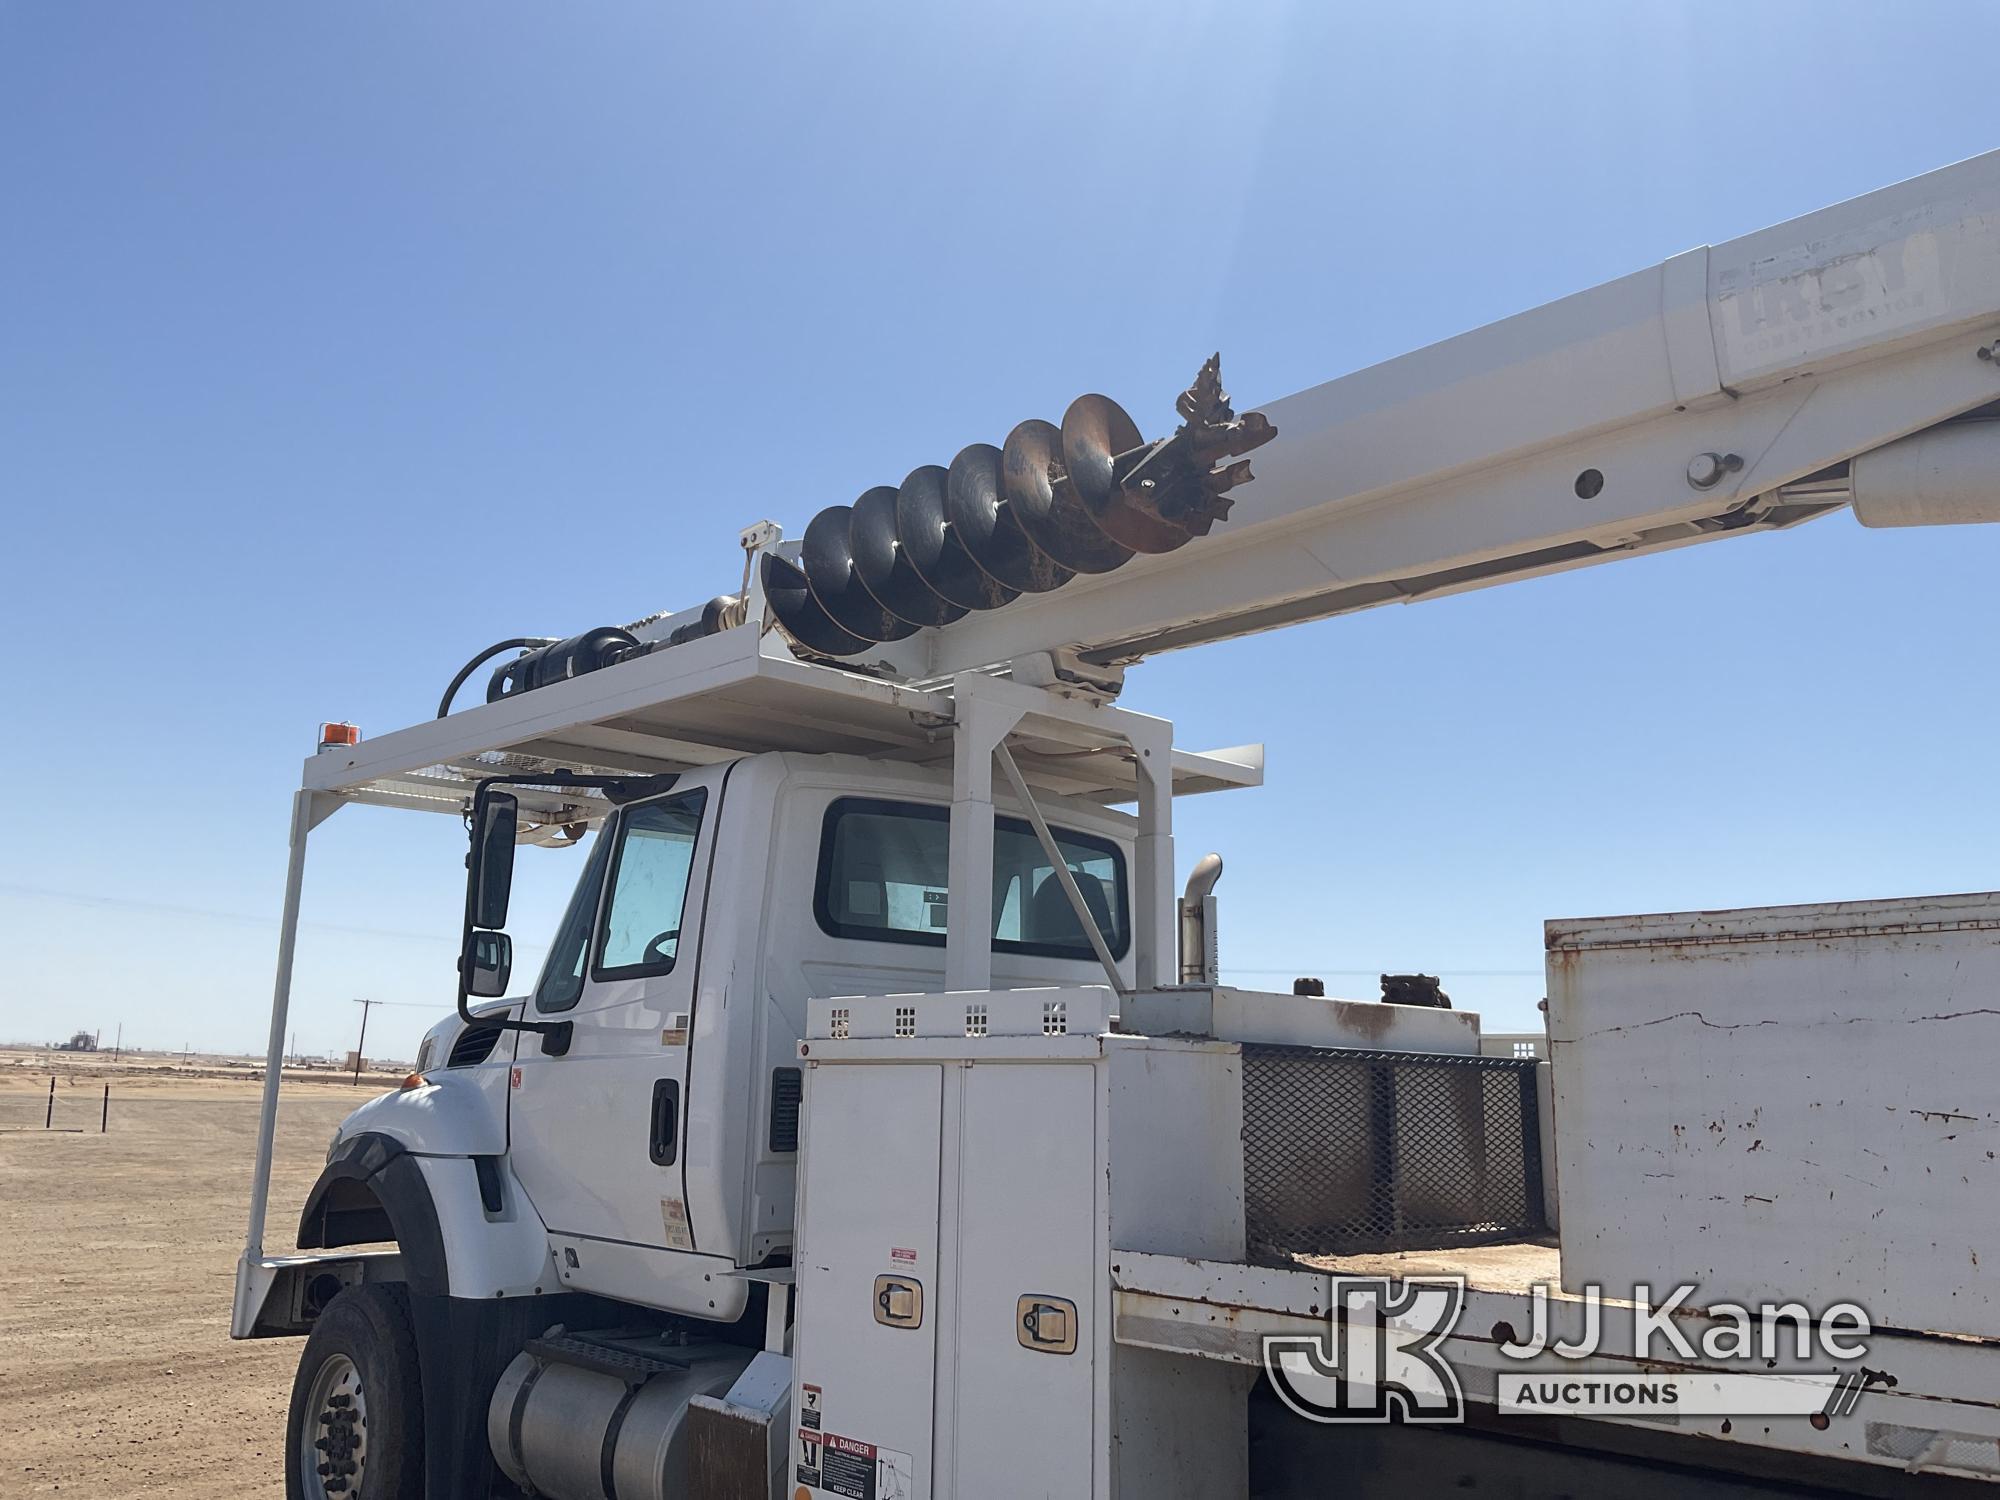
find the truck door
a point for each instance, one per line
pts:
(596, 1132)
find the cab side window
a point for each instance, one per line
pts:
(561, 984)
(639, 933)
(882, 871)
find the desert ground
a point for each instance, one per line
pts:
(117, 1375)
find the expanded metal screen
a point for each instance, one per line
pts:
(1349, 1152)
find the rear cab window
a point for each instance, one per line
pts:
(882, 877)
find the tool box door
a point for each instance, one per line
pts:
(1026, 1326)
(866, 1338)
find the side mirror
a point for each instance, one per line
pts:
(490, 867)
(486, 964)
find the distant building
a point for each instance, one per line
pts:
(83, 1041)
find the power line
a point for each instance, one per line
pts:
(164, 908)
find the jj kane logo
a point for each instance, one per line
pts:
(1383, 1354)
(1380, 1351)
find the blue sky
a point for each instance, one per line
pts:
(338, 341)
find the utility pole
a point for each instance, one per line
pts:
(118, 1046)
(359, 1046)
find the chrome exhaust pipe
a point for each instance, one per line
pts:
(1201, 957)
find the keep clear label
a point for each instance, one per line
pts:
(855, 1470)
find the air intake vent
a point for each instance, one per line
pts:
(787, 1088)
(474, 1044)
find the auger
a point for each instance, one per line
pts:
(1027, 517)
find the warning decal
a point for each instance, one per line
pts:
(855, 1470)
(849, 1469)
(674, 1221)
(809, 1406)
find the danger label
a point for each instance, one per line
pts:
(848, 1468)
(855, 1470)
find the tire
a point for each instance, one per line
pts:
(357, 1408)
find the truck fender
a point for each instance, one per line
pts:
(459, 1112)
(373, 1191)
(463, 1224)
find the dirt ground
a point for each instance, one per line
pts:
(117, 1375)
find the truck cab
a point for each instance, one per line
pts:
(655, 1135)
(579, 1208)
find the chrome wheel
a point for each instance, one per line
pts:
(337, 1411)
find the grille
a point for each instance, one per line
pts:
(1352, 1152)
(787, 1089)
(474, 1044)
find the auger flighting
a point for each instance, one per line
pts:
(1027, 517)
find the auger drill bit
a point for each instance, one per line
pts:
(1054, 502)
(1176, 478)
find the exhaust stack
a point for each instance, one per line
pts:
(1201, 956)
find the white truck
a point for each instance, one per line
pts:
(878, 1126)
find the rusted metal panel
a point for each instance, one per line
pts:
(1787, 1102)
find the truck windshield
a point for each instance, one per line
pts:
(882, 873)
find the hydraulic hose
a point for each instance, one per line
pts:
(521, 642)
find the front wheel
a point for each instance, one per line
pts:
(356, 1429)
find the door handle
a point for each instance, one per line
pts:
(666, 1122)
(1045, 1324)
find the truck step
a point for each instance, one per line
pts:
(633, 1357)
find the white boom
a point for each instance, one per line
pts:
(1738, 387)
